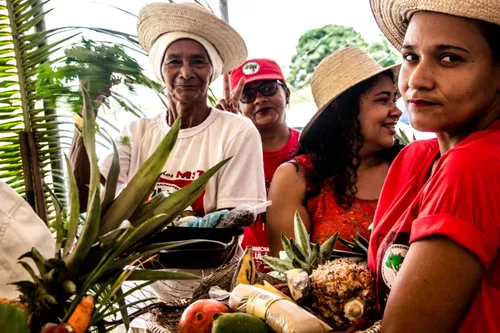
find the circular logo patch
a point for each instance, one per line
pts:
(392, 261)
(251, 68)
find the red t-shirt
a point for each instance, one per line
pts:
(459, 201)
(327, 217)
(256, 234)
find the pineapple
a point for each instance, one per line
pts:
(342, 291)
(110, 247)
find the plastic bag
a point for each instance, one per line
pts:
(239, 217)
(281, 315)
(208, 221)
(243, 215)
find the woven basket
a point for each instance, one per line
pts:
(374, 329)
(165, 318)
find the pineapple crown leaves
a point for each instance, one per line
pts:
(301, 235)
(358, 248)
(48, 289)
(300, 251)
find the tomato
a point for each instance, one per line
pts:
(199, 316)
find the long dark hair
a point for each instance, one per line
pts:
(491, 32)
(333, 142)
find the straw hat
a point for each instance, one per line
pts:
(393, 16)
(158, 18)
(340, 71)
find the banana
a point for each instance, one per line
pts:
(298, 283)
(269, 287)
(245, 271)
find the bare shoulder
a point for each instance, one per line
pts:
(288, 180)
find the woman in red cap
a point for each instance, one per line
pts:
(260, 93)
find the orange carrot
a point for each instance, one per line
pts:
(80, 318)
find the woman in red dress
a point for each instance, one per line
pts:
(344, 153)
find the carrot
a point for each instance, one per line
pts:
(80, 318)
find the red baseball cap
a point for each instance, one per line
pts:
(256, 69)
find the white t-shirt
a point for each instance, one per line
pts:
(20, 230)
(220, 136)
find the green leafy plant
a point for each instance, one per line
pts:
(39, 68)
(102, 66)
(112, 243)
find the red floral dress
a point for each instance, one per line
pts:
(327, 217)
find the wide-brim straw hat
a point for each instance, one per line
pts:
(393, 16)
(158, 18)
(340, 71)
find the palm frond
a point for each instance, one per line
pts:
(38, 71)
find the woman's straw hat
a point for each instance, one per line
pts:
(340, 71)
(158, 18)
(393, 16)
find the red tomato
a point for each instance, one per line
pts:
(199, 316)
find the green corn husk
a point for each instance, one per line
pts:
(175, 203)
(141, 184)
(74, 216)
(93, 220)
(112, 179)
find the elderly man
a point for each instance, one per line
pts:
(189, 48)
(186, 57)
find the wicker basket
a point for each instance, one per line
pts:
(374, 329)
(165, 318)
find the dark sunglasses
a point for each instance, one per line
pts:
(268, 88)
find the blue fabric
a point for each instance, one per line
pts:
(210, 220)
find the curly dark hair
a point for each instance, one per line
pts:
(333, 142)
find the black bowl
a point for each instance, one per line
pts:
(185, 233)
(198, 255)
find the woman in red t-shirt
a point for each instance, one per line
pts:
(435, 244)
(260, 93)
(344, 152)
